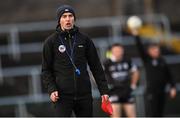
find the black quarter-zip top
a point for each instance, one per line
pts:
(58, 72)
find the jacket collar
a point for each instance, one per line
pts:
(65, 33)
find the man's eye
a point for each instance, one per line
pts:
(70, 15)
(64, 16)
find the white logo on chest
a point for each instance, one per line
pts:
(62, 48)
(154, 62)
(125, 66)
(80, 46)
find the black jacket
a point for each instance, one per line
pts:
(157, 71)
(58, 72)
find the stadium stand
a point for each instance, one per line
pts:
(21, 90)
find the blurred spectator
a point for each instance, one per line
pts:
(158, 76)
(122, 77)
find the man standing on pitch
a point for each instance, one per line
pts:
(158, 76)
(122, 75)
(66, 54)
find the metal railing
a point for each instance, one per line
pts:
(14, 49)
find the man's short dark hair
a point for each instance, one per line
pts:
(152, 45)
(116, 45)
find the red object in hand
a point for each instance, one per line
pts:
(106, 106)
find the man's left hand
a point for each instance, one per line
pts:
(172, 92)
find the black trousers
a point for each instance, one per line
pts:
(155, 104)
(81, 108)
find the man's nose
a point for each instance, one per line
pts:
(67, 18)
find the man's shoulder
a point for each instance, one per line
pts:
(127, 60)
(107, 61)
(83, 36)
(162, 59)
(51, 38)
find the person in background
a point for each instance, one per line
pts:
(122, 76)
(157, 76)
(66, 54)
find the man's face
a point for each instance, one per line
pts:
(67, 21)
(154, 51)
(117, 52)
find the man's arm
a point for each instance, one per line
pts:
(171, 81)
(108, 76)
(134, 76)
(96, 67)
(135, 79)
(47, 69)
(139, 45)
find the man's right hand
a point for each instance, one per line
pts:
(54, 96)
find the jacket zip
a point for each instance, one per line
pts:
(74, 77)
